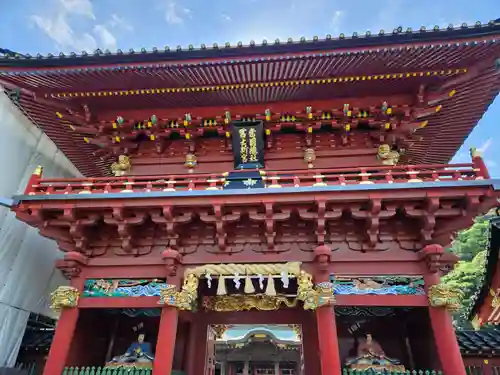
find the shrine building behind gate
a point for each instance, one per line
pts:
(297, 183)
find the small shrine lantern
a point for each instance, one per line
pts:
(191, 162)
(309, 157)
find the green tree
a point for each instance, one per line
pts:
(466, 276)
(471, 246)
(471, 241)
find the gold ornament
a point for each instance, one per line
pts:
(220, 329)
(314, 296)
(122, 167)
(387, 156)
(442, 295)
(306, 292)
(38, 171)
(240, 302)
(309, 157)
(64, 296)
(474, 152)
(191, 161)
(183, 300)
(477, 322)
(297, 329)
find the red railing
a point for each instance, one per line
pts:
(271, 179)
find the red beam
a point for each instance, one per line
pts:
(118, 302)
(342, 300)
(284, 316)
(152, 266)
(345, 263)
(279, 198)
(115, 268)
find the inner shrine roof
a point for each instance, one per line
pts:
(479, 343)
(361, 66)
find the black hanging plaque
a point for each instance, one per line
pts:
(248, 144)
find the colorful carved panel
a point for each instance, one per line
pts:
(123, 287)
(368, 311)
(380, 285)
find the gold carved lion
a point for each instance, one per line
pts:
(64, 296)
(447, 296)
(122, 167)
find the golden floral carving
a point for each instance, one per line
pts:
(220, 329)
(442, 295)
(261, 302)
(64, 296)
(185, 299)
(314, 296)
(297, 328)
(306, 292)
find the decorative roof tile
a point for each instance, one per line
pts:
(479, 343)
(367, 40)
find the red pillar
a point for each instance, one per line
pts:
(192, 348)
(59, 350)
(328, 343)
(165, 345)
(325, 318)
(444, 335)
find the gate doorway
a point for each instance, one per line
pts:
(280, 342)
(245, 349)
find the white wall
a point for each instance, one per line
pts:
(27, 273)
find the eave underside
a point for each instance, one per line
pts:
(98, 89)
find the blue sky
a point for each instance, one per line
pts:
(45, 26)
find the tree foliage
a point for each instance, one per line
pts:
(467, 276)
(471, 241)
(471, 246)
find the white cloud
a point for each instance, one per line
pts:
(120, 22)
(486, 145)
(336, 21)
(226, 17)
(108, 41)
(172, 13)
(461, 157)
(57, 27)
(78, 7)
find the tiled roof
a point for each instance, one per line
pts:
(402, 61)
(479, 343)
(397, 36)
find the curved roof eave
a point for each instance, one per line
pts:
(398, 36)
